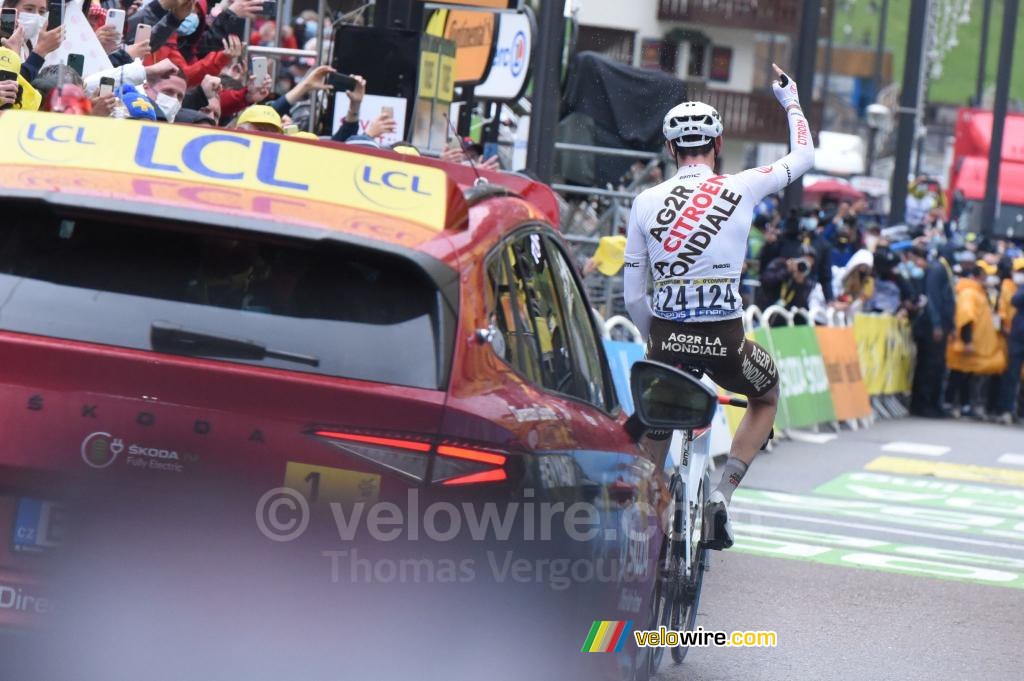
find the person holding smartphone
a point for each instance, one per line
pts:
(32, 41)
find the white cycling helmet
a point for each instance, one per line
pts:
(692, 124)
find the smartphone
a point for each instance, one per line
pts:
(388, 111)
(8, 22)
(269, 9)
(115, 18)
(8, 75)
(340, 82)
(56, 14)
(77, 62)
(142, 33)
(258, 70)
(106, 86)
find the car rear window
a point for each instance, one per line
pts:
(362, 313)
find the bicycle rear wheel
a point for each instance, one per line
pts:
(665, 601)
(684, 615)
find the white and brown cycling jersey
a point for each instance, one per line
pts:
(690, 232)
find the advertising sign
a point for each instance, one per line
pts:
(806, 398)
(510, 66)
(473, 34)
(886, 351)
(842, 364)
(224, 159)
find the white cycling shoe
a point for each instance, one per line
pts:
(718, 528)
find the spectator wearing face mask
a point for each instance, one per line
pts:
(976, 348)
(167, 93)
(31, 41)
(182, 48)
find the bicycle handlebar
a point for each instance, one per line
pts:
(732, 401)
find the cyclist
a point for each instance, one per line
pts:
(690, 233)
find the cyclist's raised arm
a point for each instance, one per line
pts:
(637, 266)
(770, 179)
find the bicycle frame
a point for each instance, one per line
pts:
(689, 457)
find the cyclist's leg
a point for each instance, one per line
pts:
(752, 373)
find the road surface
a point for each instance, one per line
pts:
(895, 552)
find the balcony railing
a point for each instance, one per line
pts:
(755, 117)
(776, 16)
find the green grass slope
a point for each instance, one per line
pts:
(858, 25)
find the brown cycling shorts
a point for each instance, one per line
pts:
(719, 349)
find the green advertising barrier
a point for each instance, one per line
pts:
(806, 399)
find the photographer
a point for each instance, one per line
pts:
(787, 281)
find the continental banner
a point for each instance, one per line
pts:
(842, 365)
(886, 352)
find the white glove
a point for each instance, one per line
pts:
(787, 95)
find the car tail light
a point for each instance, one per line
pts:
(407, 458)
(454, 464)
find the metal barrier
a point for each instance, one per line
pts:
(594, 212)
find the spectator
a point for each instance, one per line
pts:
(853, 283)
(260, 117)
(167, 92)
(920, 203)
(845, 241)
(1015, 349)
(786, 243)
(17, 93)
(931, 330)
(822, 255)
(976, 348)
(892, 292)
(31, 41)
(787, 281)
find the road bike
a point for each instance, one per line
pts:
(683, 557)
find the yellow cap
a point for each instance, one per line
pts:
(987, 268)
(9, 60)
(304, 134)
(1018, 264)
(30, 97)
(610, 255)
(261, 113)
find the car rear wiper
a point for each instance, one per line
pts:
(168, 337)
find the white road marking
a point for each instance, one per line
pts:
(915, 448)
(812, 438)
(1014, 459)
(735, 508)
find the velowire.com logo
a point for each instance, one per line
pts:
(607, 637)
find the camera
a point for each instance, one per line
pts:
(803, 265)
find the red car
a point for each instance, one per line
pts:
(192, 317)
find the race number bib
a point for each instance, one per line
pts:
(683, 299)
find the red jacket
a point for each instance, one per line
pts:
(231, 102)
(211, 64)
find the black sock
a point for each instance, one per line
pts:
(732, 474)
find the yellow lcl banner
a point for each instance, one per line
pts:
(271, 165)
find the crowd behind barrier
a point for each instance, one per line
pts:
(219, 63)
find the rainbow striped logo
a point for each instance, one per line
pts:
(607, 637)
